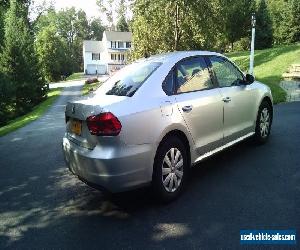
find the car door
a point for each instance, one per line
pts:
(199, 102)
(238, 98)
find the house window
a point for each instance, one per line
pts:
(113, 57)
(113, 45)
(95, 56)
(120, 45)
(128, 44)
(122, 57)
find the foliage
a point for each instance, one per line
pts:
(91, 80)
(38, 110)
(235, 17)
(96, 29)
(264, 31)
(122, 24)
(69, 28)
(242, 44)
(286, 20)
(51, 53)
(21, 80)
(166, 25)
(108, 8)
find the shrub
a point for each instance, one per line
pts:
(242, 44)
(91, 80)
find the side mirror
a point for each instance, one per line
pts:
(249, 79)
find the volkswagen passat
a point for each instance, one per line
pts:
(154, 119)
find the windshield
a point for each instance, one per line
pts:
(129, 79)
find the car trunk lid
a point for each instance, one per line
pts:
(78, 111)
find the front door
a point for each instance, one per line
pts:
(200, 103)
(238, 99)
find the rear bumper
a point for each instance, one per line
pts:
(114, 169)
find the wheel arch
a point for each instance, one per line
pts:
(269, 101)
(182, 136)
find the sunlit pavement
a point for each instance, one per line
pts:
(42, 206)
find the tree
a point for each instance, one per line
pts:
(3, 7)
(166, 25)
(96, 29)
(264, 31)
(51, 53)
(18, 61)
(295, 22)
(235, 17)
(73, 27)
(108, 8)
(122, 24)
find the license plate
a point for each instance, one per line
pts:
(76, 127)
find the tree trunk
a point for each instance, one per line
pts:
(177, 36)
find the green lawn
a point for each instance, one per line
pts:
(33, 115)
(270, 64)
(75, 76)
(88, 87)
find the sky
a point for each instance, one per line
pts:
(89, 6)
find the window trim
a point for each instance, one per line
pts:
(97, 56)
(214, 74)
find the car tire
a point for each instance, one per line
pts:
(263, 123)
(170, 169)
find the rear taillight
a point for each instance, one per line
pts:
(105, 124)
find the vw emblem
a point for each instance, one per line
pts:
(73, 109)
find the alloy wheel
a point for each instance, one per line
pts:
(264, 123)
(172, 170)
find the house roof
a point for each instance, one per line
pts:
(93, 46)
(118, 36)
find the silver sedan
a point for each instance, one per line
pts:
(157, 117)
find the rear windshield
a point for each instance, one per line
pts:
(128, 80)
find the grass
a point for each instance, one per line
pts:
(33, 115)
(270, 64)
(89, 87)
(75, 76)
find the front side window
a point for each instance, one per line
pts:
(192, 74)
(95, 56)
(128, 80)
(226, 73)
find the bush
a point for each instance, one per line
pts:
(91, 80)
(242, 44)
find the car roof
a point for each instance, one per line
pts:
(177, 55)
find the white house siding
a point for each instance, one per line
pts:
(105, 64)
(92, 67)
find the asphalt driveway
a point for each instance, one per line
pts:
(247, 187)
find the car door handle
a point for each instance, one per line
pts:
(226, 99)
(187, 108)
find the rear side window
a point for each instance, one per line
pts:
(131, 78)
(192, 74)
(168, 83)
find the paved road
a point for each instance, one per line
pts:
(43, 206)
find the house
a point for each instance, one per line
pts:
(101, 57)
